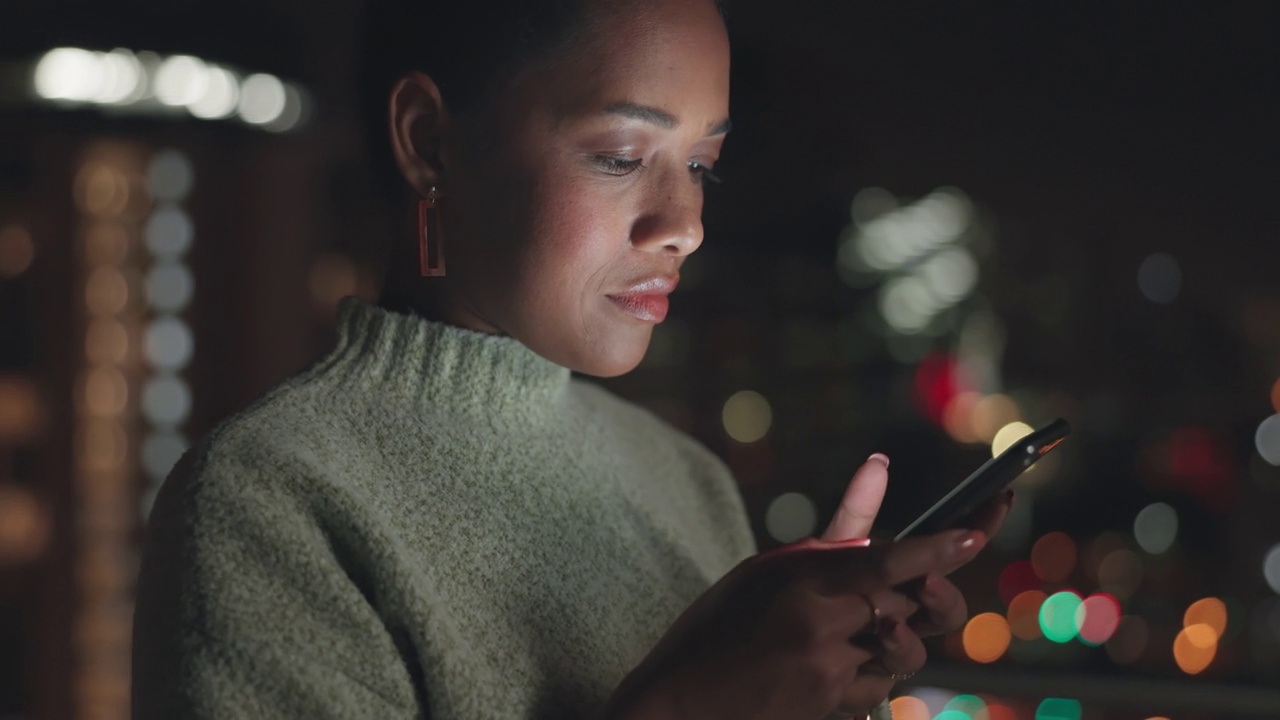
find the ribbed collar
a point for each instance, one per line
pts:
(407, 360)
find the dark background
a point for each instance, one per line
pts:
(1087, 136)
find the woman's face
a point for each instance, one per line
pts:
(577, 208)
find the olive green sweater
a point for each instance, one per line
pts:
(429, 522)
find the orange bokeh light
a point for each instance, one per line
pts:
(986, 637)
(1024, 615)
(1210, 612)
(1054, 556)
(909, 708)
(992, 413)
(1195, 648)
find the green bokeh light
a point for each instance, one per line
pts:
(1059, 709)
(953, 715)
(1058, 616)
(971, 706)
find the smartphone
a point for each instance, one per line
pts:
(988, 481)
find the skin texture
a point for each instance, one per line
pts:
(548, 213)
(562, 195)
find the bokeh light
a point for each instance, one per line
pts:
(1024, 615)
(170, 175)
(1120, 573)
(106, 292)
(169, 232)
(20, 410)
(1129, 641)
(1008, 436)
(1267, 439)
(1271, 568)
(1058, 616)
(1016, 578)
(180, 80)
(106, 341)
(1098, 618)
(992, 413)
(971, 706)
(166, 401)
(106, 391)
(907, 707)
(220, 96)
(17, 251)
(1195, 648)
(747, 416)
(1059, 709)
(170, 287)
(986, 637)
(1054, 556)
(168, 343)
(1156, 527)
(1160, 278)
(262, 99)
(24, 525)
(1210, 612)
(1275, 396)
(790, 517)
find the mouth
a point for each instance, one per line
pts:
(646, 300)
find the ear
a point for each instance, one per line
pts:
(418, 123)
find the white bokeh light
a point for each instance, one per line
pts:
(68, 74)
(170, 175)
(221, 95)
(168, 343)
(262, 99)
(747, 416)
(1155, 528)
(181, 80)
(1271, 568)
(166, 401)
(790, 516)
(170, 287)
(169, 232)
(1267, 440)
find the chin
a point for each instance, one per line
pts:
(612, 359)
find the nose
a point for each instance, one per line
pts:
(672, 221)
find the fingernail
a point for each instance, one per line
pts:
(880, 458)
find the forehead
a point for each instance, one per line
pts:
(668, 54)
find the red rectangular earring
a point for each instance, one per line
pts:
(430, 236)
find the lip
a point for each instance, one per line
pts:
(646, 299)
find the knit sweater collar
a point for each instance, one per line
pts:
(417, 363)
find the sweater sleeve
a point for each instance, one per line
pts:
(246, 607)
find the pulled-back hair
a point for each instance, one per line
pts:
(470, 48)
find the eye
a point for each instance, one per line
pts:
(618, 166)
(703, 173)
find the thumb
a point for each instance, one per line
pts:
(861, 501)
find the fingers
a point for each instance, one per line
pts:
(943, 607)
(896, 563)
(991, 517)
(861, 501)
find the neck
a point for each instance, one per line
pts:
(436, 299)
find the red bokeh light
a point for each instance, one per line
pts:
(1019, 577)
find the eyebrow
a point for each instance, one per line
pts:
(661, 118)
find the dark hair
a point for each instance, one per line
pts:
(470, 48)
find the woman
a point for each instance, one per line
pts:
(435, 520)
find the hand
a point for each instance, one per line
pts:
(786, 634)
(943, 608)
